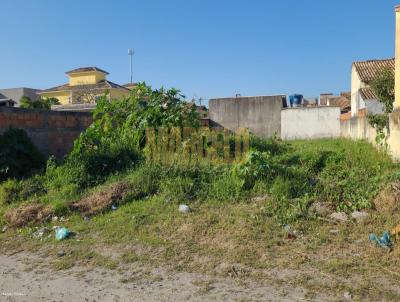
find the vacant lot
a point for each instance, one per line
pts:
(248, 236)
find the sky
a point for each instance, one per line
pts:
(205, 48)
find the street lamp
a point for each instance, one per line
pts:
(130, 54)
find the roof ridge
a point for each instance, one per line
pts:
(110, 82)
(86, 69)
(374, 60)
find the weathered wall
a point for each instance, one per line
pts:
(52, 132)
(358, 127)
(310, 122)
(261, 115)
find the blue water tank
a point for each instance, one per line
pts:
(296, 100)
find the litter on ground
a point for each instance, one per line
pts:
(62, 233)
(384, 241)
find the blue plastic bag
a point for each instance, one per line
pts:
(62, 233)
(384, 241)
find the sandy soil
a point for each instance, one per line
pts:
(25, 277)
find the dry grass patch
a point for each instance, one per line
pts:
(388, 200)
(103, 199)
(34, 213)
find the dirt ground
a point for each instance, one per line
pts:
(26, 277)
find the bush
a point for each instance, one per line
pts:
(226, 188)
(255, 166)
(10, 191)
(179, 189)
(287, 210)
(348, 184)
(41, 103)
(273, 146)
(19, 158)
(146, 179)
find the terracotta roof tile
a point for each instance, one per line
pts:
(368, 94)
(340, 101)
(367, 70)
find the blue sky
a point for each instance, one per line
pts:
(206, 48)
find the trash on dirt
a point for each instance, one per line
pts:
(334, 231)
(54, 218)
(339, 216)
(62, 233)
(183, 208)
(40, 233)
(86, 218)
(4, 229)
(61, 254)
(384, 241)
(359, 216)
(347, 296)
(291, 234)
(114, 207)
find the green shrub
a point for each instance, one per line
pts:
(13, 190)
(33, 186)
(281, 188)
(253, 167)
(19, 158)
(146, 179)
(178, 189)
(273, 146)
(350, 185)
(60, 207)
(59, 176)
(41, 103)
(287, 210)
(226, 188)
(9, 191)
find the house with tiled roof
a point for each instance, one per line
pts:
(343, 101)
(85, 85)
(362, 74)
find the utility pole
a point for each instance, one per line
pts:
(130, 54)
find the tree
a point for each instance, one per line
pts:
(41, 103)
(25, 102)
(86, 94)
(383, 87)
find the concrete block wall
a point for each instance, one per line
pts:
(52, 132)
(310, 123)
(260, 114)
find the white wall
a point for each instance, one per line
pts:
(310, 123)
(356, 101)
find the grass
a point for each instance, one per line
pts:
(234, 234)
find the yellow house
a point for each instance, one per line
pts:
(85, 85)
